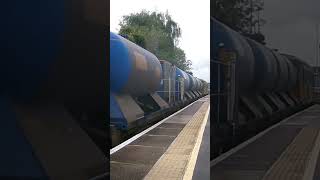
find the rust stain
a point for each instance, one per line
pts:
(140, 61)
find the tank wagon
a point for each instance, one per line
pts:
(52, 93)
(268, 86)
(144, 89)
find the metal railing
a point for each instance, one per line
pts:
(228, 90)
(171, 93)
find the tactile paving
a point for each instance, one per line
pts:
(285, 152)
(174, 161)
(292, 163)
(135, 160)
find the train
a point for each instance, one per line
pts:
(144, 89)
(53, 90)
(266, 86)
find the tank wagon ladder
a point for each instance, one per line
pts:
(226, 87)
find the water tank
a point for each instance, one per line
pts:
(184, 75)
(133, 70)
(293, 71)
(197, 84)
(266, 68)
(200, 84)
(193, 82)
(233, 41)
(283, 72)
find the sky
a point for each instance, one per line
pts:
(193, 18)
(291, 27)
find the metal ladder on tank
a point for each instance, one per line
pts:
(229, 67)
(171, 93)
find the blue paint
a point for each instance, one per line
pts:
(220, 35)
(184, 75)
(236, 43)
(120, 63)
(179, 73)
(17, 158)
(31, 35)
(116, 116)
(192, 83)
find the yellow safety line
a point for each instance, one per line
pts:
(174, 163)
(194, 155)
(292, 162)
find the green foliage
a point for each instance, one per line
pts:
(241, 15)
(158, 33)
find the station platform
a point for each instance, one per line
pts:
(174, 148)
(288, 150)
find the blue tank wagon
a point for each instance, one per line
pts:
(269, 86)
(143, 88)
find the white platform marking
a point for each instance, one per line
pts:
(120, 146)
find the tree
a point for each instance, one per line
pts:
(156, 32)
(241, 15)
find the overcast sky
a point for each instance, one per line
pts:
(291, 26)
(193, 18)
